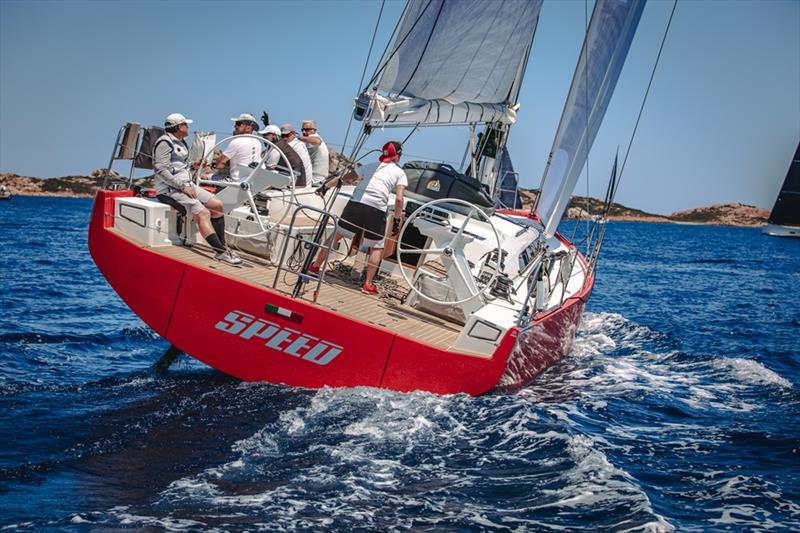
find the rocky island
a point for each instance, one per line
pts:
(580, 207)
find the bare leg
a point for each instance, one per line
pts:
(323, 252)
(203, 221)
(215, 206)
(375, 256)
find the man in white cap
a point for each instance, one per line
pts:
(242, 150)
(290, 136)
(173, 178)
(272, 133)
(317, 150)
(365, 213)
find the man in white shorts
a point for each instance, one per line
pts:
(244, 151)
(365, 213)
(172, 178)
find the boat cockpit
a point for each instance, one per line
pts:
(456, 256)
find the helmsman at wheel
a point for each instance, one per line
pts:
(173, 178)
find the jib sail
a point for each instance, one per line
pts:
(605, 48)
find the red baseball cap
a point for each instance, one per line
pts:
(390, 151)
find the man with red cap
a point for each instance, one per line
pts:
(365, 213)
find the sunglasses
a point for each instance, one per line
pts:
(309, 129)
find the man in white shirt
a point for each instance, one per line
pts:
(365, 213)
(290, 136)
(318, 151)
(245, 151)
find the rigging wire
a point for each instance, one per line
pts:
(614, 183)
(586, 75)
(364, 72)
(647, 92)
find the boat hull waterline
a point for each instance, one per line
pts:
(224, 322)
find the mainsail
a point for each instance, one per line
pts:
(786, 211)
(605, 48)
(454, 61)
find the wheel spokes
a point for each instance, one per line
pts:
(421, 251)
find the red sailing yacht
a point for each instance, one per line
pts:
(476, 294)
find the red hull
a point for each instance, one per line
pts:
(222, 322)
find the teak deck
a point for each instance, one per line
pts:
(337, 294)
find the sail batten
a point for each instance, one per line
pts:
(605, 48)
(454, 61)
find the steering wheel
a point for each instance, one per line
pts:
(244, 182)
(451, 240)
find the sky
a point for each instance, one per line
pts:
(721, 123)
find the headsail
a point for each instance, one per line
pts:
(605, 48)
(508, 190)
(454, 61)
(786, 211)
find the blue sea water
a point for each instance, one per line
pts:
(678, 408)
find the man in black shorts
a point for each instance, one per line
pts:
(365, 213)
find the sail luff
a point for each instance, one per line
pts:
(607, 42)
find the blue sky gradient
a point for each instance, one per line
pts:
(721, 123)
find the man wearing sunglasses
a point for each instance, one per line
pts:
(245, 151)
(272, 133)
(173, 178)
(317, 150)
(289, 134)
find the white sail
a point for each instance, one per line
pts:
(605, 48)
(454, 61)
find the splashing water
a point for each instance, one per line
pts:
(672, 412)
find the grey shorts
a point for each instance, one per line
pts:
(193, 205)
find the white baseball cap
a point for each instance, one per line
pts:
(245, 117)
(175, 119)
(272, 128)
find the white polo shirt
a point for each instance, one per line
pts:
(375, 189)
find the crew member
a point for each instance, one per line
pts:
(273, 160)
(290, 136)
(172, 178)
(365, 213)
(241, 151)
(317, 150)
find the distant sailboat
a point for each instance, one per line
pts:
(784, 221)
(5, 194)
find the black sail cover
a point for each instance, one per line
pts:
(786, 211)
